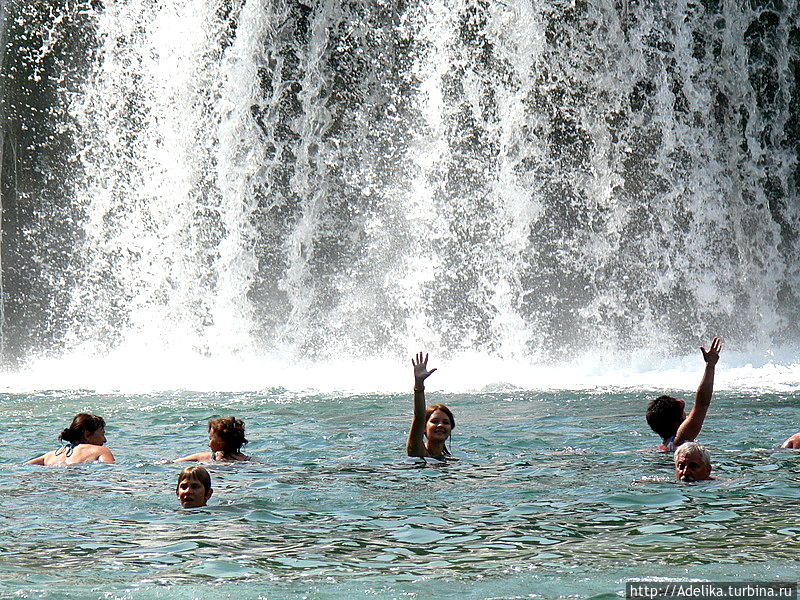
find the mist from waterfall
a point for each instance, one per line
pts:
(313, 180)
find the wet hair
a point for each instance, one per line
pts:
(82, 423)
(195, 472)
(231, 430)
(662, 414)
(432, 409)
(693, 447)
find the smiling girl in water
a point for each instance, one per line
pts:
(431, 426)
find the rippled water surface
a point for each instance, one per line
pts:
(555, 495)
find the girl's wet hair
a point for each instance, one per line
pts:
(231, 431)
(434, 407)
(81, 424)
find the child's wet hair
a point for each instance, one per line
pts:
(197, 472)
(432, 409)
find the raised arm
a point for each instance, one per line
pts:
(693, 423)
(415, 444)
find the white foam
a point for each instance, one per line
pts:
(128, 372)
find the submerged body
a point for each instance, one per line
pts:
(85, 439)
(225, 440)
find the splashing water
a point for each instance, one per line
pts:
(531, 184)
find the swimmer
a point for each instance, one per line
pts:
(792, 442)
(84, 440)
(692, 463)
(667, 416)
(431, 426)
(225, 438)
(194, 487)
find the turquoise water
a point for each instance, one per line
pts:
(556, 495)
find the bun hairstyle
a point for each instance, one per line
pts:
(231, 430)
(82, 423)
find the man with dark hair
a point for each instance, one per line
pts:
(667, 416)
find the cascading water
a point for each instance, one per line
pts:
(170, 153)
(529, 180)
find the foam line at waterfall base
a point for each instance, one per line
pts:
(466, 372)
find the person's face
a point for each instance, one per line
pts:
(192, 494)
(689, 466)
(215, 441)
(438, 426)
(98, 437)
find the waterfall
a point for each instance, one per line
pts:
(316, 178)
(3, 17)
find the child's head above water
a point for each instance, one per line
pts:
(194, 487)
(439, 424)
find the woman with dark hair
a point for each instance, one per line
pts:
(225, 438)
(432, 425)
(83, 442)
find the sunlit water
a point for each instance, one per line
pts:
(557, 494)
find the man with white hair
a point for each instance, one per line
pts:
(692, 462)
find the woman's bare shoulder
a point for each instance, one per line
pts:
(84, 453)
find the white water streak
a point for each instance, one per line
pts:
(308, 180)
(428, 152)
(240, 156)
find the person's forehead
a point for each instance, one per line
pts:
(191, 478)
(691, 455)
(441, 415)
